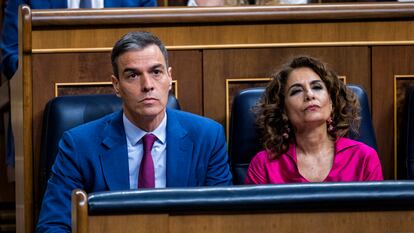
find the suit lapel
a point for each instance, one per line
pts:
(179, 152)
(114, 158)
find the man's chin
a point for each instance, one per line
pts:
(151, 112)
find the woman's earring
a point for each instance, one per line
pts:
(285, 135)
(330, 124)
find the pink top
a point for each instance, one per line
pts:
(353, 161)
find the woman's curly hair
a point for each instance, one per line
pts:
(277, 131)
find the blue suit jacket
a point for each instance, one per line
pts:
(94, 157)
(9, 36)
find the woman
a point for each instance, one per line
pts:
(305, 113)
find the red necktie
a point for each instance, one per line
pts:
(146, 177)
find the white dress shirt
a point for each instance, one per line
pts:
(191, 3)
(134, 136)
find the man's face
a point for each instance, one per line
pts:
(143, 84)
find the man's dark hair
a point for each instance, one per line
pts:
(135, 41)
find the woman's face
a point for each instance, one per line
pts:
(307, 101)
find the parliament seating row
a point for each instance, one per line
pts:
(312, 200)
(315, 207)
(383, 206)
(65, 112)
(246, 43)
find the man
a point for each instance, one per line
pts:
(107, 154)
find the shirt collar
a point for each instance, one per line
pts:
(134, 133)
(343, 143)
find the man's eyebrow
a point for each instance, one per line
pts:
(133, 70)
(157, 66)
(129, 70)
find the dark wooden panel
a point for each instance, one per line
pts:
(187, 70)
(219, 65)
(7, 185)
(85, 89)
(2, 5)
(387, 62)
(81, 68)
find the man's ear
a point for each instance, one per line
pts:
(115, 84)
(169, 71)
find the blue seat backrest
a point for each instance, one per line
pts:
(366, 130)
(409, 136)
(65, 112)
(244, 137)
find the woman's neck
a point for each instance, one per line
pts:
(314, 142)
(315, 154)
